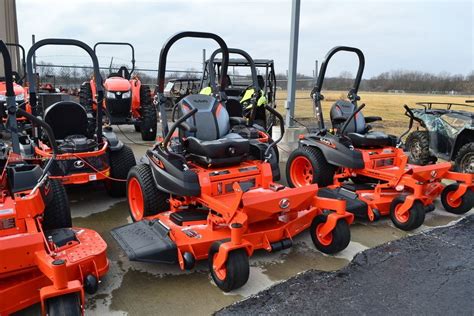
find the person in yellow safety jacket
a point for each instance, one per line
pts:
(262, 100)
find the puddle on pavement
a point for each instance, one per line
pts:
(142, 293)
(376, 233)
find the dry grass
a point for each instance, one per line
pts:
(387, 105)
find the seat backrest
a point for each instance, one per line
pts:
(211, 120)
(66, 118)
(234, 108)
(345, 109)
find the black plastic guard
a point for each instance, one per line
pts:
(146, 241)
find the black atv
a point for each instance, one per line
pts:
(445, 133)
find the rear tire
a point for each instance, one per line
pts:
(120, 161)
(147, 200)
(149, 118)
(237, 268)
(336, 241)
(465, 159)
(459, 206)
(57, 213)
(68, 304)
(413, 219)
(307, 165)
(418, 147)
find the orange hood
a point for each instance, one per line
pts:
(117, 84)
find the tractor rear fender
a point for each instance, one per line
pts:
(336, 154)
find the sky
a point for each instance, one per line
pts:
(432, 36)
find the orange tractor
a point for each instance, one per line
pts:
(206, 192)
(127, 101)
(43, 259)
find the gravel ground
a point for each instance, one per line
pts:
(427, 274)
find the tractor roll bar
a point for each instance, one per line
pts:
(119, 44)
(95, 64)
(23, 54)
(162, 68)
(253, 71)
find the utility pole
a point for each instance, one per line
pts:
(291, 88)
(33, 41)
(315, 71)
(203, 60)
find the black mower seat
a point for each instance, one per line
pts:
(370, 139)
(357, 130)
(66, 118)
(212, 144)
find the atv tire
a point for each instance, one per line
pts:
(57, 213)
(120, 161)
(144, 198)
(418, 147)
(67, 304)
(149, 118)
(464, 161)
(307, 165)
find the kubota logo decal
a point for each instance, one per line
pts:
(78, 164)
(284, 203)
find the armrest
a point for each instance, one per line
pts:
(371, 119)
(234, 120)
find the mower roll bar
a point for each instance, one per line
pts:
(119, 44)
(95, 64)
(160, 98)
(253, 71)
(13, 110)
(352, 95)
(23, 54)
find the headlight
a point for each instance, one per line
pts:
(3, 98)
(126, 95)
(110, 95)
(20, 97)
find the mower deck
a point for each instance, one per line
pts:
(48, 272)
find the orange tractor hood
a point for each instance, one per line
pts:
(16, 87)
(117, 84)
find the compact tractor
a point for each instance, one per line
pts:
(87, 151)
(443, 133)
(43, 259)
(127, 101)
(368, 169)
(208, 193)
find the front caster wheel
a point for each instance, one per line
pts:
(235, 272)
(459, 206)
(410, 220)
(335, 241)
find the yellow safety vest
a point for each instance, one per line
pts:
(206, 91)
(248, 95)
